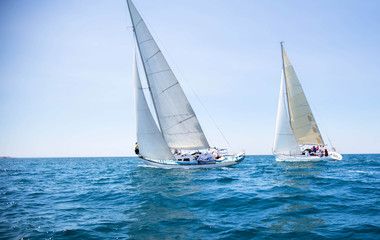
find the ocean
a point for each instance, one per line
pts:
(120, 198)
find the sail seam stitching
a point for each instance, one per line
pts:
(152, 56)
(168, 87)
(137, 24)
(180, 123)
(150, 39)
(167, 70)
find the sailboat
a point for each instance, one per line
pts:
(177, 141)
(297, 135)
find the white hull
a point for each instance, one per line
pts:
(229, 161)
(303, 158)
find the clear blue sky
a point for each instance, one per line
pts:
(66, 85)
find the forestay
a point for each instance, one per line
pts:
(178, 122)
(284, 141)
(152, 144)
(302, 120)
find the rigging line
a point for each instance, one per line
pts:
(193, 91)
(183, 76)
(321, 121)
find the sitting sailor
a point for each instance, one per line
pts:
(307, 153)
(137, 151)
(209, 156)
(206, 157)
(216, 153)
(176, 152)
(314, 150)
(202, 157)
(320, 154)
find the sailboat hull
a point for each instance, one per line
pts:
(227, 162)
(303, 158)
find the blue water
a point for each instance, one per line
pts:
(119, 198)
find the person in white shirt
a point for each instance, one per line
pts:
(206, 157)
(209, 156)
(202, 157)
(307, 154)
(216, 153)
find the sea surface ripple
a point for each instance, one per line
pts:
(120, 198)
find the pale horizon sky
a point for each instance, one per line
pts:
(66, 86)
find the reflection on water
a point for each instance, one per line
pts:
(295, 182)
(161, 197)
(104, 198)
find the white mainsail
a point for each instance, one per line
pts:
(284, 141)
(302, 120)
(152, 144)
(177, 120)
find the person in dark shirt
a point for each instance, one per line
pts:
(314, 150)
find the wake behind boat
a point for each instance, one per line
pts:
(297, 136)
(178, 140)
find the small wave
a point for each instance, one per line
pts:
(104, 198)
(148, 166)
(366, 172)
(225, 179)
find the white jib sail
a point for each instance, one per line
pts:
(151, 143)
(177, 120)
(302, 120)
(284, 140)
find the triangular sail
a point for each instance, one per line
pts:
(178, 122)
(302, 120)
(284, 141)
(151, 143)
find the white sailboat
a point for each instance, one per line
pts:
(297, 132)
(178, 140)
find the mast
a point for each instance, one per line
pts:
(176, 118)
(286, 92)
(285, 142)
(151, 142)
(141, 57)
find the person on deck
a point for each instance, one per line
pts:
(314, 150)
(202, 157)
(206, 157)
(307, 154)
(326, 152)
(216, 153)
(209, 156)
(137, 151)
(320, 154)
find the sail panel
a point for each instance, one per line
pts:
(302, 120)
(284, 140)
(152, 144)
(178, 122)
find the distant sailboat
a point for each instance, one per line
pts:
(178, 128)
(297, 132)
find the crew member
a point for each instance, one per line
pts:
(137, 151)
